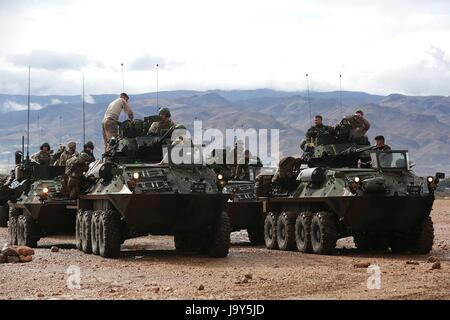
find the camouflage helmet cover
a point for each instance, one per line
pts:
(84, 156)
(89, 144)
(71, 145)
(45, 145)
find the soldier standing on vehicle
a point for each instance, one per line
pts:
(318, 134)
(69, 153)
(358, 125)
(242, 169)
(43, 157)
(88, 148)
(111, 117)
(380, 144)
(76, 167)
(159, 128)
(57, 155)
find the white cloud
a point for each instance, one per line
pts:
(227, 44)
(9, 105)
(89, 99)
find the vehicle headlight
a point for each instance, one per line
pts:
(136, 176)
(357, 179)
(45, 190)
(430, 179)
(219, 177)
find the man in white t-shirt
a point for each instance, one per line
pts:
(111, 117)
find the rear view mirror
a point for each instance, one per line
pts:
(440, 175)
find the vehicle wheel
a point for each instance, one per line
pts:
(79, 229)
(423, 242)
(109, 236)
(220, 244)
(13, 226)
(286, 231)
(270, 230)
(4, 215)
(94, 232)
(28, 234)
(86, 244)
(256, 234)
(323, 233)
(303, 232)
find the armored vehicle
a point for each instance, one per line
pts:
(345, 190)
(40, 209)
(148, 184)
(243, 206)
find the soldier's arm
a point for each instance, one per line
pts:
(153, 128)
(366, 123)
(127, 109)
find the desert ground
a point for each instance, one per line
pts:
(150, 268)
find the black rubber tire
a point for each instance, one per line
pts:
(270, 230)
(78, 229)
(13, 225)
(86, 244)
(303, 232)
(423, 241)
(323, 232)
(4, 215)
(109, 235)
(220, 244)
(256, 234)
(28, 231)
(286, 231)
(94, 232)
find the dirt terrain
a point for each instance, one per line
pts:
(149, 268)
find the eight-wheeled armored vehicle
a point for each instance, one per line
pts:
(343, 190)
(148, 184)
(41, 209)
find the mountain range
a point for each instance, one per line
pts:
(416, 123)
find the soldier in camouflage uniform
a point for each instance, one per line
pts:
(43, 157)
(158, 128)
(75, 169)
(380, 144)
(318, 134)
(89, 150)
(69, 153)
(358, 127)
(57, 155)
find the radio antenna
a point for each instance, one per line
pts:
(28, 114)
(340, 92)
(84, 116)
(157, 85)
(123, 79)
(309, 100)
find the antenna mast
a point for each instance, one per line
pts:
(157, 85)
(84, 117)
(123, 79)
(309, 100)
(340, 92)
(28, 114)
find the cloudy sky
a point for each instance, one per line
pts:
(378, 46)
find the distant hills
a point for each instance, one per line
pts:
(419, 124)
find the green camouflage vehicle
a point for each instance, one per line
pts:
(346, 190)
(243, 206)
(139, 189)
(40, 209)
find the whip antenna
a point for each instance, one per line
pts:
(123, 79)
(84, 116)
(157, 85)
(28, 114)
(309, 100)
(340, 92)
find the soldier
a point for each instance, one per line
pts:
(380, 144)
(88, 148)
(57, 155)
(318, 134)
(242, 169)
(76, 167)
(43, 157)
(158, 128)
(69, 153)
(111, 117)
(358, 125)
